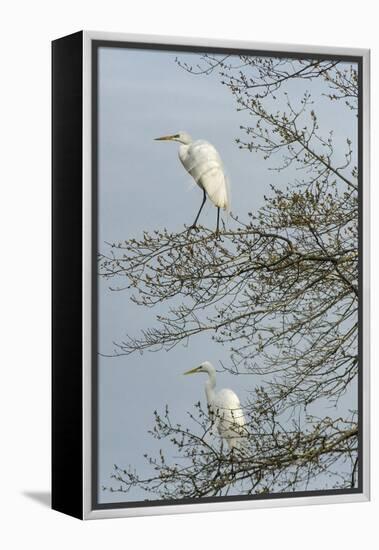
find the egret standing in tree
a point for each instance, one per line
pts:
(203, 162)
(226, 407)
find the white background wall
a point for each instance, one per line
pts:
(27, 28)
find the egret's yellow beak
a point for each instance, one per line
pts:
(192, 371)
(166, 138)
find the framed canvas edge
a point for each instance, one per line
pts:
(88, 511)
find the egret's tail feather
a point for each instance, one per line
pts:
(228, 195)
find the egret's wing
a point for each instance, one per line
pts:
(230, 418)
(215, 184)
(204, 164)
(197, 155)
(228, 407)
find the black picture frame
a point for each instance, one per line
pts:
(74, 388)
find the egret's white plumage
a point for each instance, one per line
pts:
(204, 164)
(226, 407)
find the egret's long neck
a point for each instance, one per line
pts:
(185, 140)
(210, 385)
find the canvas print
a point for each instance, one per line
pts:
(227, 299)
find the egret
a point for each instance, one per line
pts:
(226, 407)
(203, 163)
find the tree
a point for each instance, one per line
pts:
(279, 292)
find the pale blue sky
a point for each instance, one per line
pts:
(142, 186)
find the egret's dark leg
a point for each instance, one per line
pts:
(232, 462)
(218, 221)
(198, 214)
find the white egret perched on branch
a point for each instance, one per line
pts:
(203, 163)
(226, 407)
